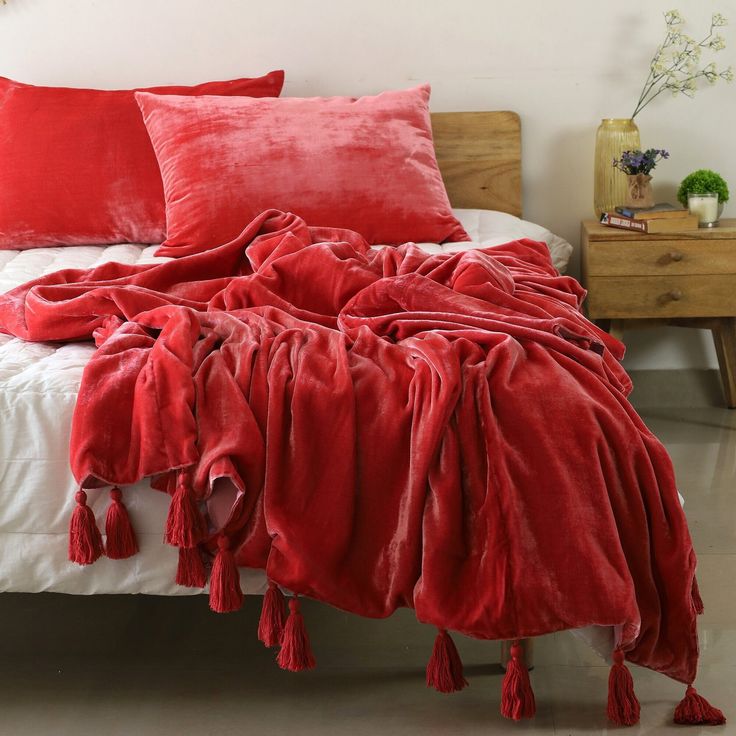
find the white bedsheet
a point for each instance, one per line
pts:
(38, 389)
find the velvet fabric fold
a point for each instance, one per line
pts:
(365, 163)
(386, 428)
(77, 166)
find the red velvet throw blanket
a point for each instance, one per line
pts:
(381, 428)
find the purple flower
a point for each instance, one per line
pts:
(640, 162)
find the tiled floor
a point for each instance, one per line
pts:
(140, 666)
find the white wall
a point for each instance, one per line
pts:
(562, 65)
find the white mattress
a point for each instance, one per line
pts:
(38, 389)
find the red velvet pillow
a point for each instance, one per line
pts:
(366, 164)
(76, 165)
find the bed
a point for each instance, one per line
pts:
(479, 155)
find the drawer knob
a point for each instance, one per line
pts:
(675, 295)
(675, 256)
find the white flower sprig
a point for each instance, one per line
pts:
(675, 66)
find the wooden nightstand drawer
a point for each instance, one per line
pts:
(661, 296)
(662, 257)
(685, 278)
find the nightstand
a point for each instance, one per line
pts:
(686, 279)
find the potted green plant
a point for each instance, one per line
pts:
(678, 68)
(704, 192)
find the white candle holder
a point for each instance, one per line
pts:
(705, 206)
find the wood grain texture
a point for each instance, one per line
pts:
(479, 155)
(685, 279)
(726, 230)
(723, 330)
(619, 297)
(661, 258)
(724, 339)
(630, 275)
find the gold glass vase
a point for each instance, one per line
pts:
(614, 136)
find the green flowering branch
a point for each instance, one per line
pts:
(675, 66)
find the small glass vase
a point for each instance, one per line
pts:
(639, 191)
(614, 136)
(705, 206)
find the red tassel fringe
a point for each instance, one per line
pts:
(85, 540)
(225, 593)
(623, 705)
(445, 668)
(185, 525)
(273, 616)
(190, 571)
(296, 652)
(517, 696)
(697, 600)
(694, 709)
(121, 541)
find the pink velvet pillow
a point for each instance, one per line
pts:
(366, 164)
(76, 165)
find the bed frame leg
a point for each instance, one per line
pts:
(527, 646)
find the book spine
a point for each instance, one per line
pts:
(658, 212)
(625, 223)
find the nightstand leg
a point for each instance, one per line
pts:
(724, 337)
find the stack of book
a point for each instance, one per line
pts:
(662, 218)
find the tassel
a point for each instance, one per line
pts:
(85, 540)
(517, 696)
(225, 593)
(694, 709)
(697, 600)
(185, 525)
(190, 571)
(296, 652)
(273, 616)
(445, 668)
(121, 541)
(623, 706)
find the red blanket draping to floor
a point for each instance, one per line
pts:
(387, 428)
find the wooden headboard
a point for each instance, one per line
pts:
(479, 154)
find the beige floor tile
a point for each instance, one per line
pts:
(145, 666)
(717, 583)
(579, 700)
